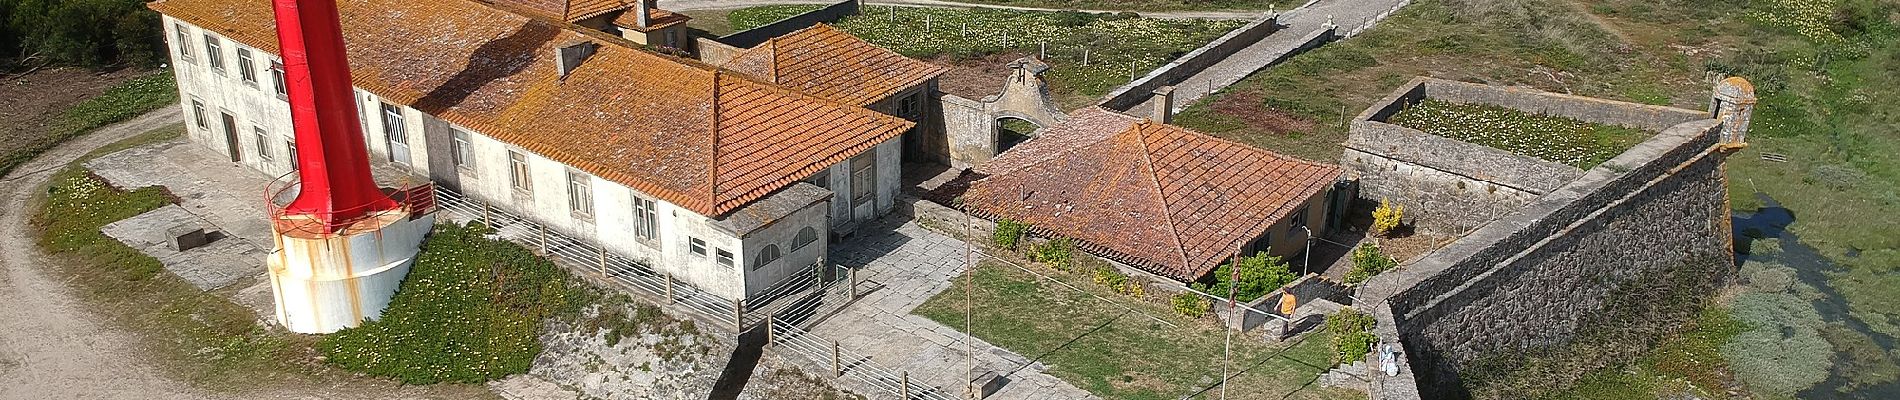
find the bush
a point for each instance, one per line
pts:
(1008, 232)
(1367, 261)
(1190, 304)
(90, 33)
(1782, 351)
(1351, 335)
(471, 310)
(1386, 217)
(1058, 253)
(1110, 278)
(1259, 275)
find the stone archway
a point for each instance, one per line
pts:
(1013, 130)
(977, 130)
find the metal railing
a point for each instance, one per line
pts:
(786, 335)
(581, 256)
(415, 200)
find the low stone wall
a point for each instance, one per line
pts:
(1135, 93)
(1587, 275)
(746, 39)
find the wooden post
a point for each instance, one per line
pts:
(837, 363)
(544, 241)
(769, 336)
(669, 288)
(738, 314)
(487, 219)
(853, 273)
(906, 386)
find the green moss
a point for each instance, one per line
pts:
(1564, 140)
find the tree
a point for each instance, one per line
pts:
(1259, 275)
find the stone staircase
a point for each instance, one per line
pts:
(1356, 376)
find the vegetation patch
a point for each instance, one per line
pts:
(1352, 336)
(1259, 275)
(1007, 233)
(471, 310)
(89, 33)
(1089, 54)
(1368, 261)
(1552, 138)
(1120, 354)
(130, 99)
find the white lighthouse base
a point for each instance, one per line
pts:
(324, 283)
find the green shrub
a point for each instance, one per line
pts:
(1351, 335)
(1367, 261)
(1259, 275)
(1782, 351)
(1058, 253)
(1110, 278)
(471, 310)
(1008, 232)
(1190, 304)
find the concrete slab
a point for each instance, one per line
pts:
(217, 264)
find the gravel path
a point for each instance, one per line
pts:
(689, 5)
(1298, 23)
(51, 347)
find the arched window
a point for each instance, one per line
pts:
(766, 256)
(805, 237)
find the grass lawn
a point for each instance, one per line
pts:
(1116, 354)
(1821, 67)
(130, 99)
(1143, 5)
(1564, 140)
(1116, 48)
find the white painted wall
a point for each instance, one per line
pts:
(611, 223)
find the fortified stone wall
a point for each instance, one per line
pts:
(1590, 274)
(1450, 186)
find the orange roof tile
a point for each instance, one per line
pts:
(707, 140)
(827, 62)
(659, 19)
(1159, 197)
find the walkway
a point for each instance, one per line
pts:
(901, 269)
(689, 5)
(1297, 24)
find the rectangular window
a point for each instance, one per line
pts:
(247, 69)
(696, 246)
(1298, 219)
(863, 177)
(645, 221)
(184, 42)
(263, 144)
(277, 80)
(518, 172)
(910, 107)
(290, 147)
(198, 114)
(214, 53)
(725, 258)
(580, 193)
(461, 151)
(822, 178)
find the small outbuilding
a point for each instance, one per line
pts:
(1157, 197)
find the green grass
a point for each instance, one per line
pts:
(210, 341)
(1822, 69)
(119, 103)
(1690, 363)
(1550, 138)
(469, 311)
(1118, 47)
(1115, 354)
(1142, 5)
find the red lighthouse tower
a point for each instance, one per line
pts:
(343, 244)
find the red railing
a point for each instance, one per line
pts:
(413, 201)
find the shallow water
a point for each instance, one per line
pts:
(1771, 221)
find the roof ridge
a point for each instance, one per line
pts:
(712, 153)
(1147, 161)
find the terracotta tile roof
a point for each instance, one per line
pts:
(827, 62)
(1159, 197)
(569, 10)
(707, 140)
(659, 19)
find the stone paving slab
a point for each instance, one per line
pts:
(215, 265)
(907, 264)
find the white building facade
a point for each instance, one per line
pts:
(235, 106)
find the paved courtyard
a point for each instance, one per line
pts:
(902, 264)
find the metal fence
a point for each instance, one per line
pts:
(786, 332)
(580, 256)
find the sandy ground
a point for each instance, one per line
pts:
(689, 5)
(50, 345)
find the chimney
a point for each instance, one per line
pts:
(1163, 102)
(643, 12)
(572, 55)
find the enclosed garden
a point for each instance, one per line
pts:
(1576, 143)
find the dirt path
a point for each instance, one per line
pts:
(689, 5)
(51, 346)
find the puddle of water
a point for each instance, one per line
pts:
(1771, 221)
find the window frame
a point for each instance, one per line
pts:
(697, 247)
(724, 258)
(646, 220)
(184, 43)
(214, 54)
(763, 260)
(580, 194)
(799, 240)
(262, 143)
(290, 147)
(461, 149)
(247, 67)
(278, 81)
(394, 130)
(519, 177)
(198, 114)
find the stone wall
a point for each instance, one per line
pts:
(1450, 186)
(1591, 274)
(970, 129)
(1135, 93)
(753, 37)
